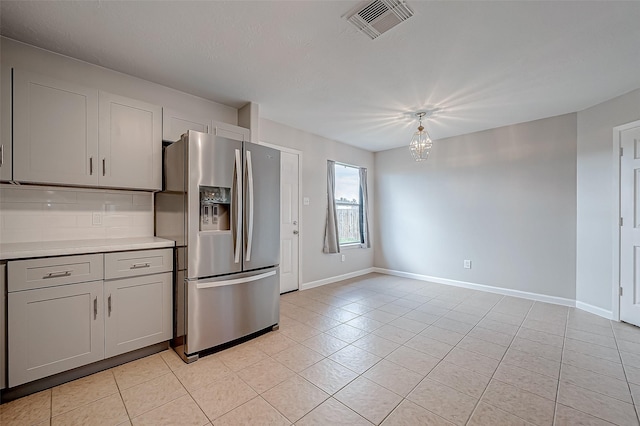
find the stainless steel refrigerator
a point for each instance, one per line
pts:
(221, 204)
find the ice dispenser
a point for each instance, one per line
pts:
(215, 207)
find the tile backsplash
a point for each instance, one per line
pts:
(39, 213)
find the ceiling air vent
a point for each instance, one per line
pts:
(379, 16)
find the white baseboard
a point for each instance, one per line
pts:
(337, 278)
(594, 310)
(491, 289)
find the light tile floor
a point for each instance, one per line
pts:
(376, 350)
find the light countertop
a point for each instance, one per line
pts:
(61, 248)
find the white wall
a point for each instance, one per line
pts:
(504, 198)
(595, 197)
(316, 151)
(31, 213)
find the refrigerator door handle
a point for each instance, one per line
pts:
(238, 182)
(250, 202)
(205, 284)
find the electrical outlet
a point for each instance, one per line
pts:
(467, 264)
(343, 257)
(305, 201)
(96, 218)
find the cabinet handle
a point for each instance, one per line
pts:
(57, 274)
(140, 265)
(109, 304)
(104, 166)
(1, 154)
(90, 166)
(95, 308)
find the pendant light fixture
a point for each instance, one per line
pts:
(421, 143)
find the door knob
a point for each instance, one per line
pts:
(295, 232)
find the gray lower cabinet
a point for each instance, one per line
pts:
(3, 340)
(54, 329)
(138, 312)
(57, 322)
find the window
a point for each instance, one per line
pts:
(347, 207)
(348, 204)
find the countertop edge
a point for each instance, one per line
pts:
(14, 251)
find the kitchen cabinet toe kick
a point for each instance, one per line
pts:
(48, 382)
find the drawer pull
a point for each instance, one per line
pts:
(57, 274)
(140, 265)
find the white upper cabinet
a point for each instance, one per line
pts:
(230, 131)
(175, 123)
(55, 131)
(68, 134)
(6, 169)
(130, 143)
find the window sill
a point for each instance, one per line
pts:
(350, 246)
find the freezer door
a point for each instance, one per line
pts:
(222, 309)
(262, 206)
(214, 235)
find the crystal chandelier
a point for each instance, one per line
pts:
(420, 145)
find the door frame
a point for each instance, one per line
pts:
(300, 235)
(617, 169)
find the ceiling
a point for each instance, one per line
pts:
(480, 64)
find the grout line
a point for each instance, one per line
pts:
(404, 398)
(382, 358)
(120, 394)
(624, 371)
(442, 359)
(498, 366)
(450, 310)
(564, 339)
(597, 373)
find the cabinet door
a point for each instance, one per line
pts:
(54, 329)
(6, 173)
(138, 312)
(130, 143)
(55, 131)
(230, 131)
(175, 123)
(3, 340)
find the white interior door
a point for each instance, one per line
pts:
(289, 221)
(630, 229)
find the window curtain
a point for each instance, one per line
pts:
(364, 210)
(331, 241)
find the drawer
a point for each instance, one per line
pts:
(133, 263)
(53, 271)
